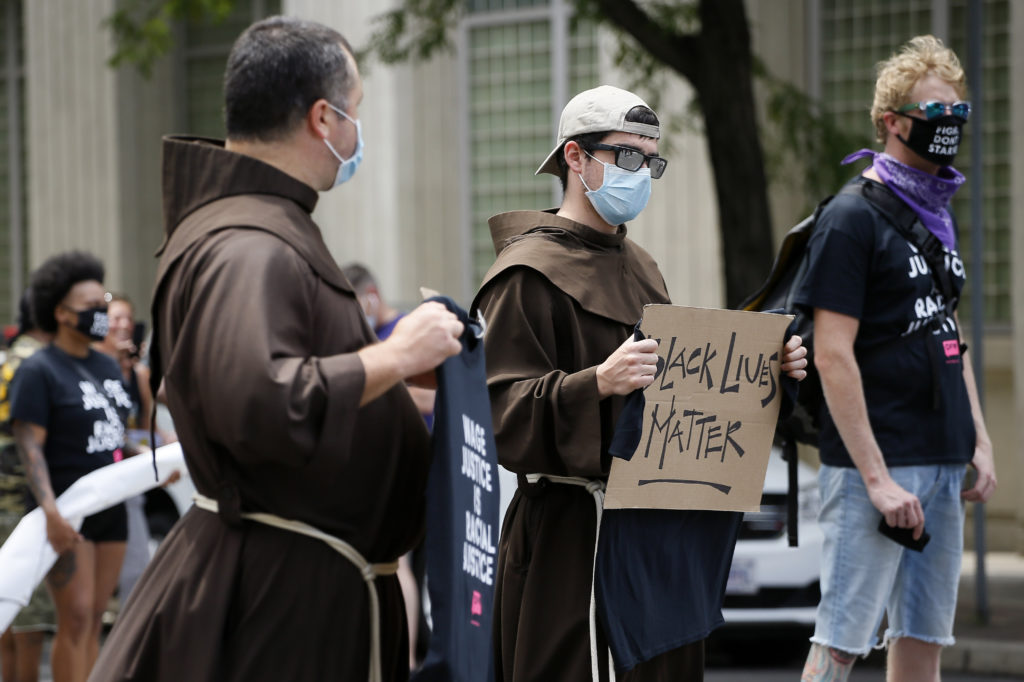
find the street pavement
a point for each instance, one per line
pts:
(992, 651)
(995, 647)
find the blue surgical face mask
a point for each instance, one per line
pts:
(622, 194)
(347, 167)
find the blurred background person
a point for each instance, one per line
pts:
(383, 318)
(22, 644)
(68, 411)
(122, 345)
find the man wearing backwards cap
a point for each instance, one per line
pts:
(561, 301)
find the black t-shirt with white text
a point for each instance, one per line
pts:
(861, 266)
(82, 403)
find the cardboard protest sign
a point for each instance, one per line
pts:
(710, 414)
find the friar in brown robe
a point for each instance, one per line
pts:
(561, 302)
(282, 400)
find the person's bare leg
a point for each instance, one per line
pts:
(29, 648)
(71, 582)
(825, 664)
(109, 557)
(411, 596)
(8, 655)
(911, 660)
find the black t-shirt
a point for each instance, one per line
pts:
(462, 517)
(861, 266)
(81, 402)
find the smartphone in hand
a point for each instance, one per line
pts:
(904, 536)
(138, 337)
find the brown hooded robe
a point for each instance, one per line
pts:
(560, 298)
(256, 332)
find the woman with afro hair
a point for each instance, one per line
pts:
(68, 406)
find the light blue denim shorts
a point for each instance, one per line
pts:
(865, 575)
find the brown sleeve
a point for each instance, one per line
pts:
(248, 330)
(546, 419)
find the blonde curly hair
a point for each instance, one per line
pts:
(898, 75)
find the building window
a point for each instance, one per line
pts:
(995, 121)
(13, 192)
(515, 74)
(204, 56)
(857, 34)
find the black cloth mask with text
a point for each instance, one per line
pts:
(936, 140)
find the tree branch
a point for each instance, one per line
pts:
(142, 28)
(677, 50)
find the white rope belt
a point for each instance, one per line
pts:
(596, 488)
(367, 570)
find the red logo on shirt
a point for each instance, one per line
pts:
(952, 348)
(476, 608)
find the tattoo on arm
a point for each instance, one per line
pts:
(34, 462)
(63, 570)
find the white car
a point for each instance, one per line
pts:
(771, 582)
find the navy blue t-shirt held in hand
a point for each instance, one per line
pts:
(462, 517)
(81, 402)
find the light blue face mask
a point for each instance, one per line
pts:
(622, 194)
(347, 167)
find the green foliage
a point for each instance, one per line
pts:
(414, 31)
(648, 76)
(677, 16)
(802, 143)
(142, 29)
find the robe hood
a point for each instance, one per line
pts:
(607, 274)
(198, 170)
(208, 189)
(227, 189)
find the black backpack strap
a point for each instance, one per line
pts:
(81, 370)
(907, 223)
(789, 454)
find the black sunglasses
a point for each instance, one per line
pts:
(631, 159)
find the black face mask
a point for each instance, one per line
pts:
(936, 140)
(94, 323)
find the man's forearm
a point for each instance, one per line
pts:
(981, 432)
(34, 462)
(383, 369)
(841, 381)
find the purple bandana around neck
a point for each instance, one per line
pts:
(929, 195)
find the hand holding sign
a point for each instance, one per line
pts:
(630, 367)
(794, 358)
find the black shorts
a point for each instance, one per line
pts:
(109, 525)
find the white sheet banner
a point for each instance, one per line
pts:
(27, 556)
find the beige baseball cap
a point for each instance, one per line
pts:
(601, 109)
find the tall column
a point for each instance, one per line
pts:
(399, 213)
(1012, 477)
(71, 124)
